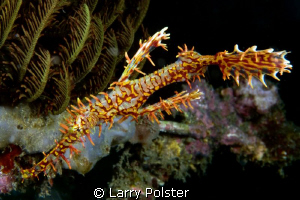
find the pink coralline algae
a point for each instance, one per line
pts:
(6, 181)
(238, 118)
(7, 166)
(198, 147)
(260, 99)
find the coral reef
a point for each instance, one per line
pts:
(187, 147)
(128, 96)
(233, 117)
(155, 163)
(52, 52)
(6, 183)
(211, 122)
(90, 154)
(22, 126)
(8, 168)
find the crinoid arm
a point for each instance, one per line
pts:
(252, 63)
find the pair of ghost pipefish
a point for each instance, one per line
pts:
(127, 97)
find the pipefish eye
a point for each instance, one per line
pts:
(76, 128)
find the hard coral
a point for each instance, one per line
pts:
(259, 100)
(251, 122)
